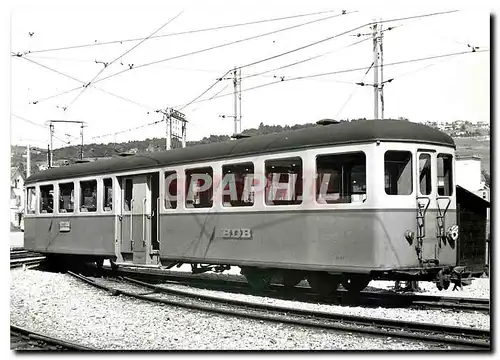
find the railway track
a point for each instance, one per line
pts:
(21, 254)
(22, 339)
(304, 293)
(20, 257)
(458, 337)
(26, 261)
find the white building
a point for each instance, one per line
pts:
(468, 172)
(16, 195)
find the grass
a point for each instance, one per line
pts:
(475, 146)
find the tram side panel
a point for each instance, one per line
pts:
(79, 235)
(395, 251)
(315, 240)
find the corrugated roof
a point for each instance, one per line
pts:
(336, 134)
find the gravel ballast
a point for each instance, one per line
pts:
(63, 307)
(435, 316)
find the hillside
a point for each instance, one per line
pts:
(479, 146)
(465, 146)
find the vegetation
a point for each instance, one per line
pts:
(469, 146)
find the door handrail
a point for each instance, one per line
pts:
(441, 215)
(143, 221)
(131, 217)
(421, 228)
(158, 220)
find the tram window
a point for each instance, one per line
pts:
(284, 181)
(66, 198)
(127, 198)
(46, 199)
(171, 190)
(445, 174)
(88, 196)
(424, 171)
(108, 194)
(237, 180)
(341, 178)
(398, 173)
(31, 200)
(199, 187)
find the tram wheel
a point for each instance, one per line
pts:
(114, 267)
(258, 279)
(99, 263)
(292, 278)
(355, 283)
(323, 283)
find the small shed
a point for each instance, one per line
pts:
(473, 221)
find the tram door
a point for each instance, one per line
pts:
(138, 221)
(425, 204)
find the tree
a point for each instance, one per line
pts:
(487, 178)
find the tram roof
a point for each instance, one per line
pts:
(344, 133)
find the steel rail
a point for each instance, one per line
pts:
(26, 261)
(48, 339)
(340, 296)
(273, 313)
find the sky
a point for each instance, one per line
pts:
(438, 89)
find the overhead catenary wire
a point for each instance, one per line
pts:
(39, 125)
(353, 92)
(341, 72)
(119, 57)
(183, 32)
(225, 44)
(82, 82)
(304, 60)
(316, 43)
(316, 75)
(127, 130)
(199, 51)
(341, 34)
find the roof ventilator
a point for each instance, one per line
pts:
(125, 154)
(240, 136)
(325, 122)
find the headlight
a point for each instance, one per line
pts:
(409, 236)
(452, 233)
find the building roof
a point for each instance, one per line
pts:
(470, 198)
(344, 133)
(15, 172)
(468, 157)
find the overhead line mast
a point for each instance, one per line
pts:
(375, 71)
(237, 100)
(172, 132)
(51, 131)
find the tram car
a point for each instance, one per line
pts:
(339, 203)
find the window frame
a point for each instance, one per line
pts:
(28, 198)
(39, 206)
(452, 184)
(187, 186)
(412, 178)
(316, 177)
(266, 202)
(180, 198)
(125, 181)
(82, 197)
(59, 212)
(104, 192)
(220, 197)
(428, 176)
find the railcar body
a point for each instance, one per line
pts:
(345, 202)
